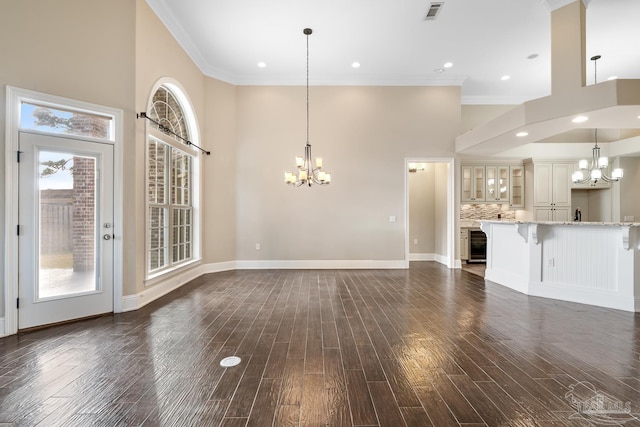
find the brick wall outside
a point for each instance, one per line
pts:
(94, 127)
(84, 213)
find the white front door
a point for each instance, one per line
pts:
(66, 229)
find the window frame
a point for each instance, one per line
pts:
(171, 143)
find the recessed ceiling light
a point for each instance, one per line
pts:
(356, 65)
(522, 134)
(448, 64)
(580, 119)
(505, 78)
(612, 78)
(532, 56)
(439, 70)
(261, 64)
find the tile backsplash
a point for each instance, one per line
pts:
(485, 211)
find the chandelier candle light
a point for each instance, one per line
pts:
(597, 170)
(307, 173)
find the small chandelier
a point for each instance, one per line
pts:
(597, 169)
(307, 173)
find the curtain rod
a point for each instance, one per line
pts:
(167, 130)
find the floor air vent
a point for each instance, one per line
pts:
(434, 10)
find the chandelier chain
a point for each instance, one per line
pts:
(307, 88)
(597, 169)
(308, 174)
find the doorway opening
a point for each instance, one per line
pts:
(429, 234)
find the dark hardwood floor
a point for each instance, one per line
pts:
(418, 347)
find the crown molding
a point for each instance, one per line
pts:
(552, 5)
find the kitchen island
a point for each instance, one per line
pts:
(584, 262)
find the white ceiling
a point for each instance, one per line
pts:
(395, 44)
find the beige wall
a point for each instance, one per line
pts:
(627, 193)
(158, 56)
(219, 171)
(428, 193)
(78, 49)
(364, 134)
(441, 219)
(422, 211)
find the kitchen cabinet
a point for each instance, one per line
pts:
(552, 191)
(472, 185)
(516, 186)
(493, 183)
(497, 184)
(464, 244)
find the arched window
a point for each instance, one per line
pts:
(170, 182)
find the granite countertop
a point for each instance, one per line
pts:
(469, 223)
(576, 223)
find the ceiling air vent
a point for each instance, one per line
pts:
(434, 10)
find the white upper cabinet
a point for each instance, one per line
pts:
(552, 191)
(472, 184)
(492, 184)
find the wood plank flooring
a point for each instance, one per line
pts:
(425, 346)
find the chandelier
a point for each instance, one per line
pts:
(596, 170)
(307, 173)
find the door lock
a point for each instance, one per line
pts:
(107, 237)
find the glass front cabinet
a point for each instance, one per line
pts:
(472, 185)
(497, 184)
(500, 184)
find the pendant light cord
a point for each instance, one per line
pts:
(595, 81)
(307, 33)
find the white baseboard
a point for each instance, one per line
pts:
(159, 289)
(3, 331)
(321, 264)
(422, 257)
(218, 267)
(442, 259)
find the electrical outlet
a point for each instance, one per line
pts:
(552, 262)
(257, 246)
(392, 218)
(415, 241)
(629, 218)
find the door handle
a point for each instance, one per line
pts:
(107, 237)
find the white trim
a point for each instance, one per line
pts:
(152, 293)
(422, 257)
(2, 330)
(320, 264)
(14, 98)
(218, 267)
(193, 128)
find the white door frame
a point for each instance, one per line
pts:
(15, 96)
(450, 162)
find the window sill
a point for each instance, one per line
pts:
(155, 278)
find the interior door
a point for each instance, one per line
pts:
(65, 231)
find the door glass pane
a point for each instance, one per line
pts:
(63, 121)
(67, 229)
